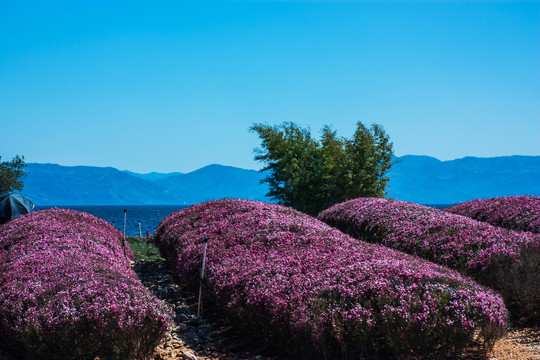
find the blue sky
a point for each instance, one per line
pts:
(173, 86)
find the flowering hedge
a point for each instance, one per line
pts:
(520, 213)
(67, 291)
(293, 281)
(505, 260)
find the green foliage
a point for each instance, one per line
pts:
(143, 249)
(11, 174)
(311, 175)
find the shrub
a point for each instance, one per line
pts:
(295, 282)
(521, 213)
(505, 260)
(67, 291)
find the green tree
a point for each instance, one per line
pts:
(311, 175)
(335, 169)
(292, 160)
(370, 158)
(11, 174)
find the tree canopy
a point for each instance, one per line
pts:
(311, 175)
(11, 174)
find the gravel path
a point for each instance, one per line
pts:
(193, 338)
(518, 344)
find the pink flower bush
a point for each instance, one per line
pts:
(293, 281)
(520, 213)
(68, 292)
(505, 260)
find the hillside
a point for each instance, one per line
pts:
(51, 184)
(420, 179)
(426, 180)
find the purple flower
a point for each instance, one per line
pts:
(292, 280)
(505, 260)
(68, 291)
(521, 213)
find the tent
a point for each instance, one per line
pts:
(13, 205)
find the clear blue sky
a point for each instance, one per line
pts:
(173, 86)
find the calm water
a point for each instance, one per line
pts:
(148, 215)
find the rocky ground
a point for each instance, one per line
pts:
(193, 337)
(198, 339)
(518, 344)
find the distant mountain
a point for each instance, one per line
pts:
(216, 182)
(426, 180)
(420, 179)
(51, 184)
(153, 176)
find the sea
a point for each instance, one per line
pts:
(148, 216)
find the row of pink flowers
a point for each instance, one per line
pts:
(292, 280)
(505, 260)
(520, 213)
(67, 290)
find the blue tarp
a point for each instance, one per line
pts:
(13, 205)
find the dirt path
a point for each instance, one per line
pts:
(193, 338)
(200, 339)
(518, 344)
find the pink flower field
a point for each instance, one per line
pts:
(295, 282)
(505, 260)
(67, 291)
(521, 213)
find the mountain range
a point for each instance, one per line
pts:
(420, 179)
(426, 180)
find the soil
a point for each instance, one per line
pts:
(518, 344)
(194, 337)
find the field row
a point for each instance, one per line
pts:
(300, 284)
(397, 279)
(67, 291)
